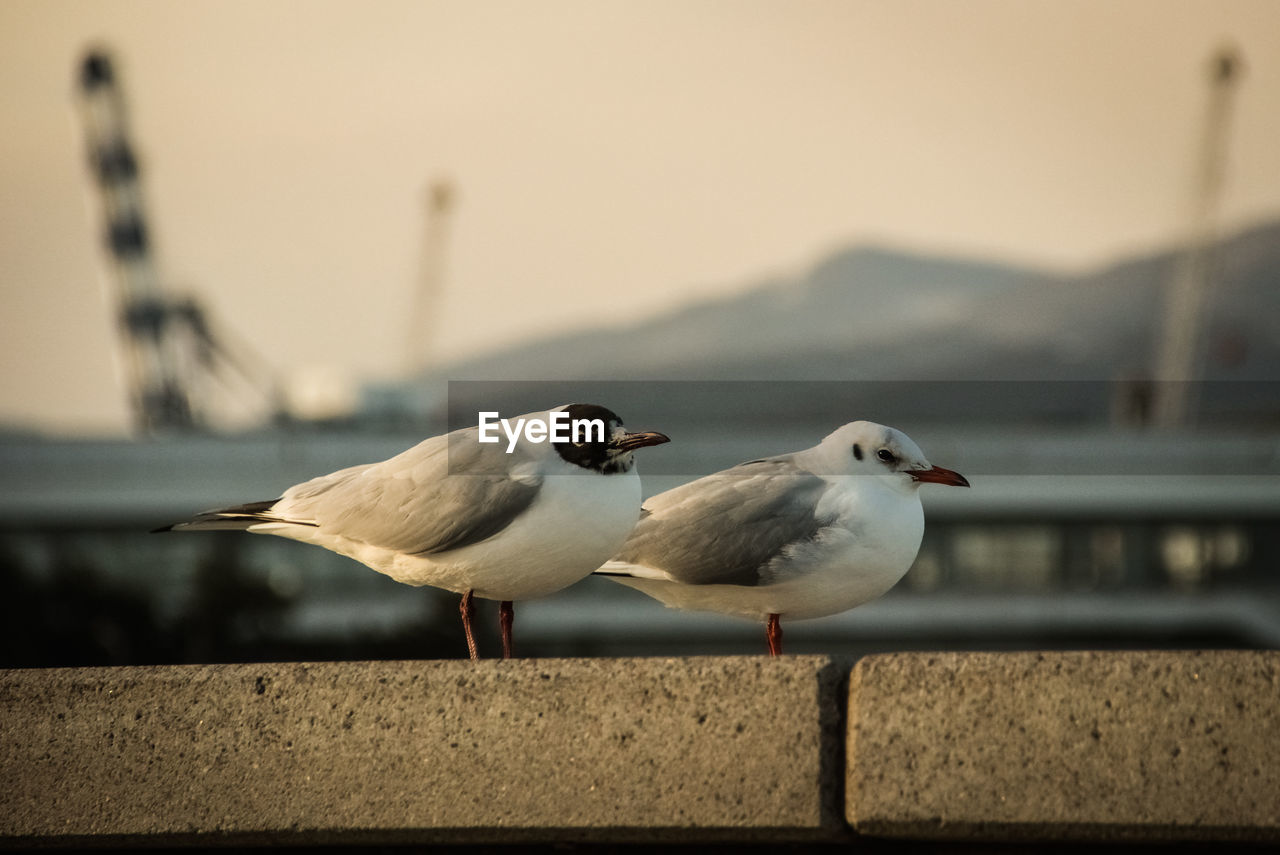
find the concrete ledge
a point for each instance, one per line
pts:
(1024, 746)
(742, 749)
(1053, 746)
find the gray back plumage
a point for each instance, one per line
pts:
(423, 501)
(727, 527)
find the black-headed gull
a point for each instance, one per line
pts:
(800, 535)
(503, 519)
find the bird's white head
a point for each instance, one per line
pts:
(866, 448)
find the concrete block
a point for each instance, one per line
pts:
(1061, 746)
(737, 748)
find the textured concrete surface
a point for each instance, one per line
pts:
(644, 749)
(1078, 745)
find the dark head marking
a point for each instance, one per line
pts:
(857, 451)
(593, 453)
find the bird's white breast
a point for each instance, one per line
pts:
(869, 547)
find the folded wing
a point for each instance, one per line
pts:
(423, 501)
(724, 528)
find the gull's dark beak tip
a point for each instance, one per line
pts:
(632, 441)
(938, 475)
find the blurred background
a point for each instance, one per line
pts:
(247, 243)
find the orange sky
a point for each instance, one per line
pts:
(612, 159)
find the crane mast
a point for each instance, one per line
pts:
(171, 349)
(440, 200)
(159, 387)
(1178, 348)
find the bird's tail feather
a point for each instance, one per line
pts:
(613, 569)
(619, 569)
(237, 518)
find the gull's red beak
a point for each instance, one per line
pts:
(938, 475)
(632, 441)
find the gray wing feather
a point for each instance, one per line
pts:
(424, 501)
(727, 527)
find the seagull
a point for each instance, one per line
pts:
(802, 535)
(476, 515)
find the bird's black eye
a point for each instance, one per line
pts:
(857, 451)
(886, 455)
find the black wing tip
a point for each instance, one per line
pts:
(247, 514)
(249, 508)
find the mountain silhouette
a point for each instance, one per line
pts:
(871, 313)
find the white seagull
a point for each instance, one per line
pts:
(801, 535)
(469, 516)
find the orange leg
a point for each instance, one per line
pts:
(506, 616)
(773, 632)
(468, 609)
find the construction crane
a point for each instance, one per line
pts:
(440, 200)
(1178, 347)
(171, 347)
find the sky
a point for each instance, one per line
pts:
(611, 160)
